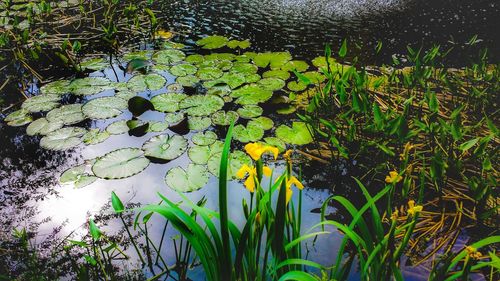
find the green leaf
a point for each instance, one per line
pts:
(116, 203)
(251, 94)
(343, 49)
(165, 147)
(274, 60)
(298, 134)
(295, 65)
(152, 82)
(95, 136)
(169, 56)
(224, 118)
(94, 64)
(201, 105)
(42, 127)
(120, 163)
(236, 159)
(168, 102)
(250, 133)
(277, 73)
(199, 123)
(209, 73)
(244, 68)
(68, 114)
(59, 87)
(212, 42)
(249, 111)
(276, 142)
(104, 108)
(41, 103)
(263, 122)
(271, 84)
(90, 86)
(468, 144)
(296, 86)
(117, 128)
(188, 80)
(191, 179)
(77, 176)
(204, 138)
(94, 230)
(183, 69)
(200, 154)
(63, 139)
(233, 44)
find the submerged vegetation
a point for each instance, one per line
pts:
(415, 141)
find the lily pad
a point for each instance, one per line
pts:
(168, 102)
(252, 78)
(251, 94)
(42, 127)
(277, 73)
(299, 133)
(199, 154)
(191, 179)
(250, 111)
(120, 163)
(232, 79)
(236, 160)
(206, 138)
(297, 65)
(187, 81)
(271, 84)
(59, 87)
(274, 60)
(320, 62)
(104, 108)
(209, 73)
(195, 59)
(137, 127)
(164, 147)
(169, 56)
(174, 118)
(126, 94)
(117, 128)
(95, 136)
(63, 139)
(68, 114)
(245, 68)
(41, 103)
(233, 44)
(276, 142)
(158, 126)
(201, 105)
(315, 77)
(199, 123)
(77, 176)
(264, 122)
(94, 64)
(18, 118)
(138, 105)
(296, 86)
(143, 55)
(250, 133)
(175, 87)
(152, 82)
(220, 56)
(90, 86)
(223, 118)
(212, 42)
(183, 69)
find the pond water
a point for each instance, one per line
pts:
(29, 175)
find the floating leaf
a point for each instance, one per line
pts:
(94, 64)
(121, 163)
(274, 60)
(201, 105)
(143, 55)
(195, 59)
(104, 108)
(137, 128)
(220, 57)
(169, 56)
(223, 118)
(249, 111)
(63, 139)
(296, 86)
(320, 62)
(183, 69)
(174, 118)
(245, 68)
(175, 88)
(41, 103)
(158, 126)
(18, 118)
(60, 87)
(95, 136)
(138, 105)
(286, 110)
(271, 84)
(138, 65)
(206, 138)
(277, 73)
(232, 79)
(250, 133)
(68, 114)
(168, 102)
(315, 77)
(173, 45)
(77, 176)
(191, 179)
(187, 81)
(152, 82)
(297, 65)
(199, 154)
(276, 142)
(164, 147)
(199, 123)
(263, 122)
(251, 94)
(42, 126)
(90, 86)
(212, 42)
(117, 128)
(239, 44)
(236, 160)
(252, 78)
(125, 95)
(209, 73)
(299, 133)
(219, 90)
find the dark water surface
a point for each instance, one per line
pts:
(30, 195)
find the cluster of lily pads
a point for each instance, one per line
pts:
(210, 90)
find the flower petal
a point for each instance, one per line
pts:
(267, 171)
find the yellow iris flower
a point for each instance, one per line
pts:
(473, 252)
(251, 180)
(393, 177)
(413, 209)
(289, 182)
(255, 150)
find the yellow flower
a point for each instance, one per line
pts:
(413, 209)
(250, 182)
(406, 151)
(255, 150)
(394, 215)
(288, 155)
(473, 252)
(393, 177)
(289, 182)
(164, 34)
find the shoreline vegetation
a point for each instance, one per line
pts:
(419, 142)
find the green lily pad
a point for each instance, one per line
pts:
(18, 118)
(59, 87)
(187, 81)
(244, 67)
(206, 138)
(233, 44)
(68, 114)
(251, 94)
(299, 133)
(191, 179)
(250, 111)
(165, 147)
(274, 60)
(320, 62)
(223, 64)
(221, 90)
(94, 64)
(220, 56)
(212, 42)
(173, 45)
(277, 73)
(183, 69)
(138, 65)
(95, 136)
(169, 56)
(143, 55)
(77, 176)
(250, 133)
(117, 128)
(286, 110)
(90, 86)
(271, 84)
(223, 118)
(42, 127)
(209, 73)
(152, 82)
(63, 139)
(276, 142)
(199, 123)
(296, 86)
(174, 118)
(264, 122)
(120, 163)
(297, 65)
(232, 79)
(201, 105)
(252, 78)
(199, 154)
(125, 95)
(175, 88)
(41, 103)
(104, 108)
(168, 102)
(315, 77)
(195, 59)
(158, 126)
(236, 160)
